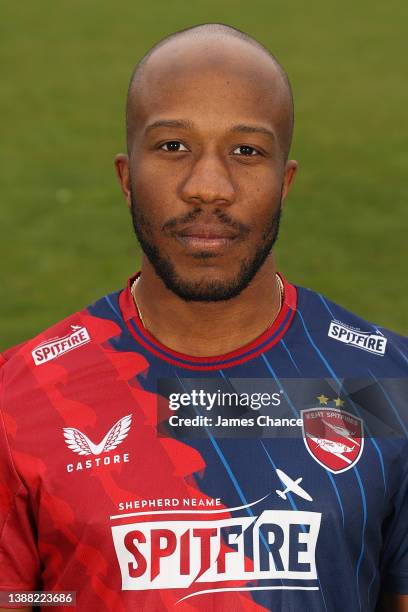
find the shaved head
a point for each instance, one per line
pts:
(217, 47)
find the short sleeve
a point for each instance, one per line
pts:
(395, 540)
(19, 559)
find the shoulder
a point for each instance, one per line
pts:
(70, 372)
(346, 334)
(62, 347)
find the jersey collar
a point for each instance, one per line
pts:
(262, 343)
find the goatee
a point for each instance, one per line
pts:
(205, 290)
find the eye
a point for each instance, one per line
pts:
(246, 150)
(173, 146)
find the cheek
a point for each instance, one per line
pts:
(262, 183)
(147, 195)
(261, 200)
(154, 188)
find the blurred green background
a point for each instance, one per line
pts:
(66, 236)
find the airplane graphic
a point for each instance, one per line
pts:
(342, 431)
(292, 486)
(335, 448)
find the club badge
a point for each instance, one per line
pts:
(333, 437)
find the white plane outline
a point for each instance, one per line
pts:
(291, 486)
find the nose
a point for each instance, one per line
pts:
(208, 182)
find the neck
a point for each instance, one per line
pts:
(203, 329)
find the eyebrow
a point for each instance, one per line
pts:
(172, 123)
(188, 125)
(253, 129)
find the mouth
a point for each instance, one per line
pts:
(206, 237)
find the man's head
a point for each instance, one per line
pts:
(209, 127)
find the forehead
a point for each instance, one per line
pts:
(208, 81)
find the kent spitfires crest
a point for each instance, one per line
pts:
(333, 437)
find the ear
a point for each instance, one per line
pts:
(122, 170)
(290, 171)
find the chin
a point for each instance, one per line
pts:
(210, 279)
(209, 286)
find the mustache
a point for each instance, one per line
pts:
(176, 224)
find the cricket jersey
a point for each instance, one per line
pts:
(272, 477)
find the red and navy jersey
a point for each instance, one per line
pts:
(273, 477)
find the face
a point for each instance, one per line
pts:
(206, 173)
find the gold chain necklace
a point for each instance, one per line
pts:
(132, 291)
(278, 280)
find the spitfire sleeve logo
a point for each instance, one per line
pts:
(50, 349)
(79, 443)
(173, 554)
(372, 343)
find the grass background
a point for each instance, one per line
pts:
(66, 236)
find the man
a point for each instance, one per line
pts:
(140, 464)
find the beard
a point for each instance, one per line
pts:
(205, 290)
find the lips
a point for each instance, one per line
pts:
(202, 236)
(210, 232)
